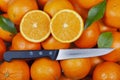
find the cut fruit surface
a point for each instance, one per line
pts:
(66, 26)
(34, 26)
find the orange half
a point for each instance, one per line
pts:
(34, 26)
(66, 26)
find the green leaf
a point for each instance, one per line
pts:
(7, 25)
(105, 40)
(95, 13)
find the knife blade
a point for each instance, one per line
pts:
(60, 54)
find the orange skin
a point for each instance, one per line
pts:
(105, 28)
(19, 43)
(45, 69)
(2, 49)
(17, 9)
(107, 71)
(112, 13)
(76, 68)
(4, 5)
(14, 70)
(53, 6)
(52, 43)
(115, 54)
(42, 2)
(5, 35)
(89, 37)
(83, 12)
(64, 78)
(87, 4)
(95, 61)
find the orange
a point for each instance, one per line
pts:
(19, 43)
(96, 60)
(66, 26)
(14, 70)
(4, 5)
(53, 6)
(42, 2)
(45, 69)
(115, 54)
(87, 3)
(89, 37)
(112, 13)
(52, 43)
(83, 12)
(76, 68)
(105, 28)
(63, 77)
(34, 26)
(107, 71)
(17, 9)
(2, 49)
(6, 35)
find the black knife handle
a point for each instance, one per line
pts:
(30, 54)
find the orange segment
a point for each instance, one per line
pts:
(66, 26)
(34, 26)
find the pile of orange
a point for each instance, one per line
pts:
(58, 24)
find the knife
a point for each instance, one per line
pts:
(60, 54)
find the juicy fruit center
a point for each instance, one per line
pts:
(65, 25)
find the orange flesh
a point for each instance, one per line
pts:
(35, 26)
(63, 27)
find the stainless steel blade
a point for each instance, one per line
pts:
(82, 53)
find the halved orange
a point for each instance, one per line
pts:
(66, 26)
(34, 26)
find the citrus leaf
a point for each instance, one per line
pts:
(7, 25)
(95, 13)
(105, 40)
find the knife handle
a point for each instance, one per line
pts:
(30, 54)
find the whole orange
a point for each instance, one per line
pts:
(53, 6)
(19, 43)
(107, 71)
(89, 37)
(4, 5)
(17, 9)
(87, 3)
(112, 13)
(14, 70)
(115, 54)
(76, 68)
(45, 69)
(52, 43)
(2, 49)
